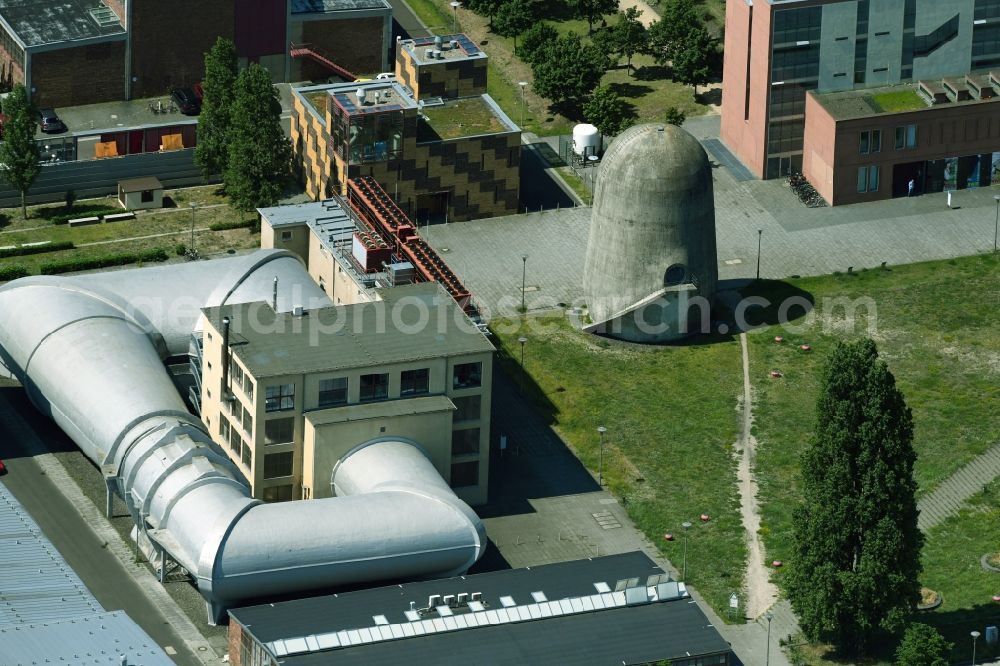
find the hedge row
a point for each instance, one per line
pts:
(98, 212)
(117, 259)
(36, 249)
(12, 272)
(225, 226)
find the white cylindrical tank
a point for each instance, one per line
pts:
(586, 140)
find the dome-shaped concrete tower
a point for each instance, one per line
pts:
(651, 264)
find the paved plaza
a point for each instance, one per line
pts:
(795, 240)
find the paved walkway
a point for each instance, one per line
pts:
(951, 494)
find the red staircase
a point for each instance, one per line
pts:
(314, 54)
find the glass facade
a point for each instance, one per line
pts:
(366, 138)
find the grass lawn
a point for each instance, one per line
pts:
(938, 327)
(671, 419)
(167, 227)
(466, 117)
(900, 100)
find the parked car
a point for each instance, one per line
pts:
(186, 101)
(3, 468)
(199, 92)
(50, 122)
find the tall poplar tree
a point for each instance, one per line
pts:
(212, 151)
(259, 153)
(19, 151)
(856, 538)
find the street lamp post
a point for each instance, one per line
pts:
(600, 460)
(996, 224)
(686, 525)
(523, 85)
(524, 274)
(454, 15)
(770, 616)
(194, 207)
(523, 340)
(975, 636)
(760, 234)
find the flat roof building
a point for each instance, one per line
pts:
(620, 609)
(794, 99)
(71, 52)
(296, 392)
(431, 137)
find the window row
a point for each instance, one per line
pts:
(906, 137)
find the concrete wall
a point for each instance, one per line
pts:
(356, 44)
(292, 238)
(82, 75)
(953, 57)
(94, 178)
(747, 60)
(818, 148)
(885, 42)
(169, 41)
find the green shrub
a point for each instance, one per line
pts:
(36, 249)
(180, 250)
(238, 224)
(12, 272)
(96, 212)
(104, 261)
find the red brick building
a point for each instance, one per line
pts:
(864, 96)
(72, 52)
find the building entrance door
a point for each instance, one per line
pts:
(902, 174)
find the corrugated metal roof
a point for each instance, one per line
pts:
(37, 584)
(102, 638)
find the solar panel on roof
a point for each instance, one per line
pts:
(602, 587)
(635, 596)
(507, 602)
(620, 585)
(476, 606)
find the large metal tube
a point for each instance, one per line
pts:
(89, 351)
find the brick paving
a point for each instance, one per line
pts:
(951, 494)
(796, 240)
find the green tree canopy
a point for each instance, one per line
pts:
(593, 10)
(692, 63)
(487, 8)
(631, 36)
(535, 40)
(212, 150)
(259, 152)
(674, 116)
(678, 18)
(569, 70)
(608, 112)
(922, 645)
(19, 151)
(857, 546)
(513, 18)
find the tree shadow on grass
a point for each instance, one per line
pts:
(652, 73)
(713, 97)
(759, 303)
(632, 90)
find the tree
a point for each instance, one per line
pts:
(212, 152)
(922, 645)
(857, 544)
(692, 64)
(513, 18)
(608, 112)
(606, 41)
(593, 10)
(487, 8)
(537, 38)
(678, 18)
(569, 70)
(630, 34)
(19, 151)
(674, 116)
(259, 153)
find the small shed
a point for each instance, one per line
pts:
(140, 193)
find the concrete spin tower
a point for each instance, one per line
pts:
(651, 268)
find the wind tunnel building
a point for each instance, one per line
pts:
(92, 353)
(651, 267)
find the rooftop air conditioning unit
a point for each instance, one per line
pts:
(429, 54)
(434, 601)
(449, 600)
(476, 596)
(463, 598)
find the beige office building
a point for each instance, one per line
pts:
(305, 389)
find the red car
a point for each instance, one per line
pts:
(3, 468)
